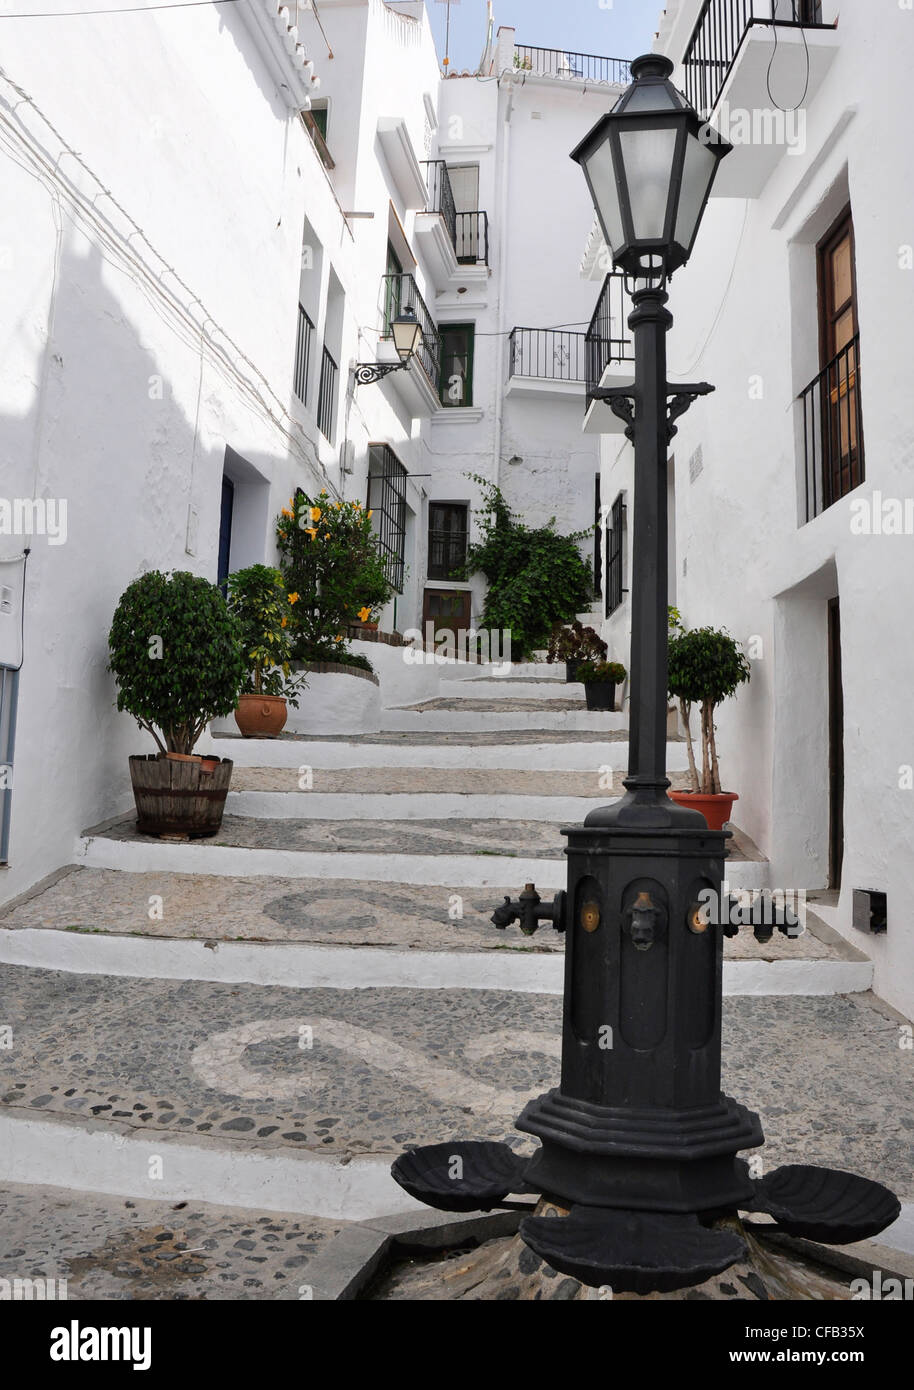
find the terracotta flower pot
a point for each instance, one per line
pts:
(716, 807)
(184, 757)
(261, 716)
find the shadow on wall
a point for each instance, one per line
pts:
(106, 435)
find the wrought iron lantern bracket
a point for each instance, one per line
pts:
(623, 402)
(367, 373)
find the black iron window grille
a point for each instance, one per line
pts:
(615, 546)
(326, 399)
(716, 39)
(608, 338)
(387, 504)
(587, 67)
(401, 292)
(447, 539)
(549, 354)
(303, 355)
(833, 431)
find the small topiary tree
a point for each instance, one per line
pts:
(329, 557)
(536, 577)
(257, 597)
(175, 652)
(706, 666)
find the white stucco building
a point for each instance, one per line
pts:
(790, 484)
(191, 267)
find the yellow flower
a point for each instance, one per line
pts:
(337, 639)
(369, 515)
(311, 531)
(324, 492)
(293, 598)
(291, 501)
(316, 513)
(364, 614)
(284, 622)
(286, 512)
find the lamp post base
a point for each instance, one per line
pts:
(641, 1160)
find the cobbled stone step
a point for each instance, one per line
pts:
(445, 852)
(508, 750)
(460, 715)
(174, 906)
(547, 693)
(114, 1248)
(450, 781)
(172, 1069)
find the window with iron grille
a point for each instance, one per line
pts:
(447, 539)
(303, 355)
(387, 504)
(458, 342)
(615, 545)
(326, 397)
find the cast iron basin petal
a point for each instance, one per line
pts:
(825, 1204)
(469, 1175)
(632, 1252)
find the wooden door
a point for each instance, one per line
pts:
(842, 453)
(448, 610)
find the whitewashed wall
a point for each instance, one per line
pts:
(745, 311)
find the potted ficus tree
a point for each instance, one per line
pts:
(706, 667)
(258, 598)
(600, 679)
(573, 644)
(175, 653)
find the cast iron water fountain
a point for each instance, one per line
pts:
(638, 1144)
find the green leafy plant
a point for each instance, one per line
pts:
(257, 596)
(601, 672)
(575, 643)
(536, 577)
(356, 659)
(706, 667)
(329, 557)
(175, 652)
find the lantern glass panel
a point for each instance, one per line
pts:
(697, 173)
(648, 157)
(602, 176)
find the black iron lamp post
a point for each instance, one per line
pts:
(638, 1143)
(407, 336)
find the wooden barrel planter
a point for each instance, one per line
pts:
(179, 798)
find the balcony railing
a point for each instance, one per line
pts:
(716, 39)
(578, 67)
(303, 355)
(833, 431)
(548, 354)
(608, 338)
(400, 292)
(441, 195)
(326, 398)
(468, 231)
(472, 240)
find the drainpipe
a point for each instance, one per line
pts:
(503, 167)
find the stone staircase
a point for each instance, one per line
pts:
(159, 990)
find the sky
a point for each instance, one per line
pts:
(609, 28)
